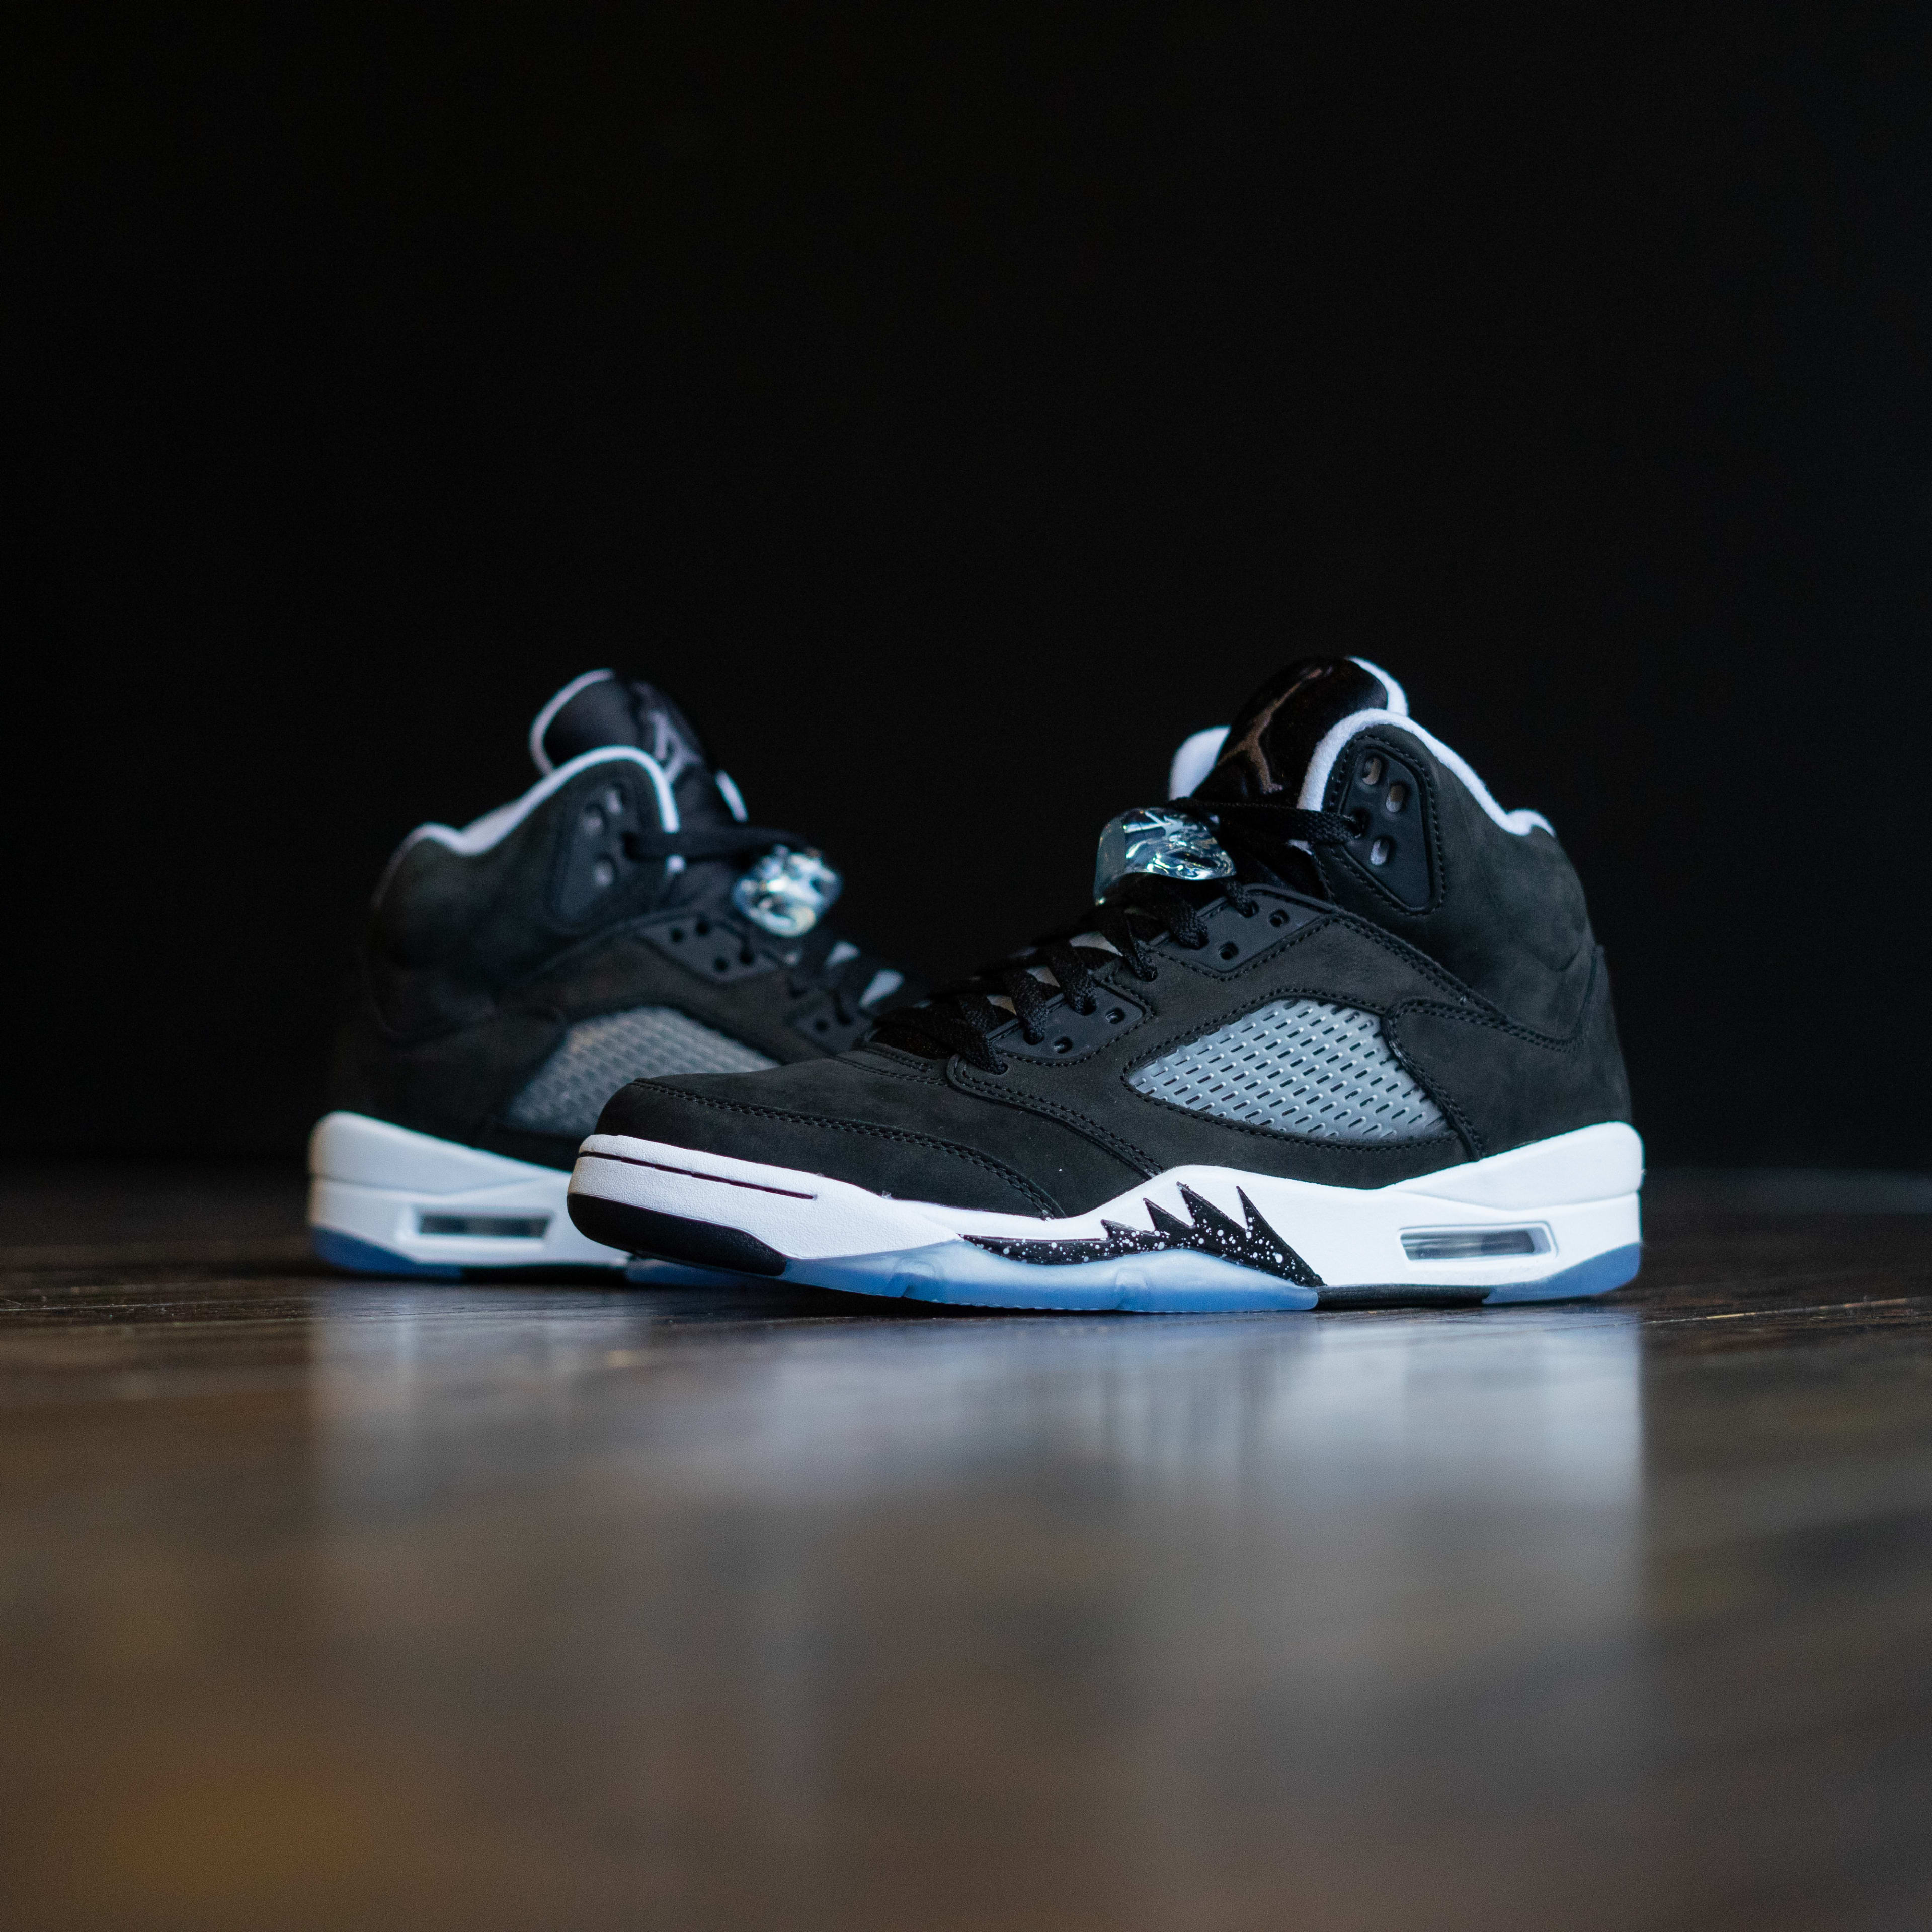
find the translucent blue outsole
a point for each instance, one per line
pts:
(953, 1273)
(1597, 1276)
(359, 1257)
(356, 1256)
(1176, 1283)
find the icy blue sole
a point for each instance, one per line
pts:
(353, 1256)
(1175, 1283)
(358, 1257)
(1616, 1268)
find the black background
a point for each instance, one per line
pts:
(953, 407)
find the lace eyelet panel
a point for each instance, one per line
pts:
(1298, 1066)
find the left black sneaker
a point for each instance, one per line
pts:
(1338, 1031)
(621, 918)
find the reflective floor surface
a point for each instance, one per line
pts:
(326, 1603)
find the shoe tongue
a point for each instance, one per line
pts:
(1273, 736)
(605, 707)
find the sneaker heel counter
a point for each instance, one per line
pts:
(423, 972)
(1503, 908)
(1505, 1084)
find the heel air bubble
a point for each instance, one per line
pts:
(494, 1227)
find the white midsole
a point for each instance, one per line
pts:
(376, 1181)
(1576, 1194)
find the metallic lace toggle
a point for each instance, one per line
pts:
(1162, 845)
(787, 893)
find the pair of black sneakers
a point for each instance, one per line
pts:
(1334, 1030)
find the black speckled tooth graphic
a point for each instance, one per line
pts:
(1256, 1245)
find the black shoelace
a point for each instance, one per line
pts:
(808, 961)
(1140, 911)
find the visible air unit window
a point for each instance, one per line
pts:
(1469, 1244)
(1298, 1066)
(502, 1227)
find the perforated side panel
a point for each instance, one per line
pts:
(597, 1057)
(1299, 1067)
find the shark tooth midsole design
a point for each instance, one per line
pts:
(1210, 1231)
(1558, 1217)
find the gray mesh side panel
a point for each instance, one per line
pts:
(597, 1057)
(1299, 1067)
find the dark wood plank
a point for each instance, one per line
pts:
(326, 1603)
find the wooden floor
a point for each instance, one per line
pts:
(333, 1604)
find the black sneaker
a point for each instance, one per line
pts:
(620, 919)
(1338, 1031)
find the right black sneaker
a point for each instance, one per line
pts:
(619, 919)
(1337, 1031)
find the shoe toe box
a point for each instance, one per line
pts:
(916, 1139)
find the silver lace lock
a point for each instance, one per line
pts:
(787, 893)
(1159, 844)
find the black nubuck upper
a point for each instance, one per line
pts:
(1370, 870)
(516, 973)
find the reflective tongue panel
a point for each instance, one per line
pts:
(787, 893)
(1275, 734)
(1148, 842)
(605, 707)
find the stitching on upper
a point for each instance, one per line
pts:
(1413, 957)
(971, 1081)
(1566, 1044)
(1405, 954)
(886, 1070)
(1465, 1128)
(1013, 1178)
(1393, 944)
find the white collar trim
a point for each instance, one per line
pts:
(1315, 780)
(481, 835)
